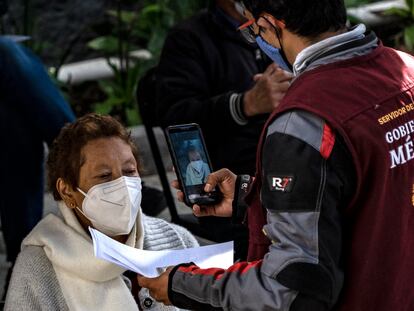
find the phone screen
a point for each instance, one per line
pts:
(191, 160)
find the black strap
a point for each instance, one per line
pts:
(243, 183)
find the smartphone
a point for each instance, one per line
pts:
(191, 163)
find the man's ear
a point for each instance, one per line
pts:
(280, 24)
(276, 22)
(66, 192)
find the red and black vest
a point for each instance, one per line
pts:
(369, 101)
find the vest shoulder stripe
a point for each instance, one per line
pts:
(328, 141)
(306, 127)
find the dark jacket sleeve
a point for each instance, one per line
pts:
(185, 83)
(204, 70)
(307, 180)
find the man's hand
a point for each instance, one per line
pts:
(268, 91)
(158, 287)
(225, 180)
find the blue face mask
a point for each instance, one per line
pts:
(273, 53)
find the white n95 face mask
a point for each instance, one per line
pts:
(112, 207)
(197, 165)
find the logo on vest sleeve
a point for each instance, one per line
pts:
(280, 183)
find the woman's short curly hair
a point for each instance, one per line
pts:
(65, 160)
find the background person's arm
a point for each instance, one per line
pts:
(26, 84)
(188, 89)
(185, 86)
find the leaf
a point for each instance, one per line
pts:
(113, 66)
(107, 87)
(106, 106)
(140, 33)
(107, 44)
(409, 37)
(133, 116)
(354, 20)
(157, 41)
(127, 17)
(184, 8)
(151, 9)
(355, 3)
(404, 13)
(410, 6)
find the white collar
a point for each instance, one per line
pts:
(302, 59)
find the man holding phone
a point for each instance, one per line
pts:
(331, 208)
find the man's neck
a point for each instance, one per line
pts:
(301, 43)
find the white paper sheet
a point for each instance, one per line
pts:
(147, 263)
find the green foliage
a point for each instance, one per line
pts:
(148, 26)
(409, 37)
(106, 44)
(406, 36)
(355, 3)
(157, 17)
(120, 93)
(119, 90)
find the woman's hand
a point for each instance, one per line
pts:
(158, 287)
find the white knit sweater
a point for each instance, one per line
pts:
(37, 280)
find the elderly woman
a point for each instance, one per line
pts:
(94, 174)
(197, 170)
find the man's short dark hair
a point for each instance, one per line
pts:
(306, 18)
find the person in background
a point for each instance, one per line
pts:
(93, 171)
(32, 112)
(331, 209)
(209, 75)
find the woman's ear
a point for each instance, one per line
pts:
(66, 192)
